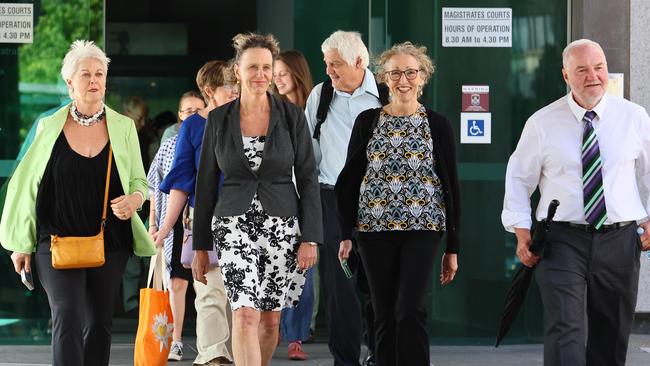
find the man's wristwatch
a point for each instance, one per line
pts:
(312, 243)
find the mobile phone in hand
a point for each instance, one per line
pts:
(346, 269)
(27, 279)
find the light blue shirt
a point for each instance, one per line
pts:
(331, 151)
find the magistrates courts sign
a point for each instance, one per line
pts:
(476, 27)
(16, 23)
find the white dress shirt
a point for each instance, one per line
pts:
(331, 151)
(549, 155)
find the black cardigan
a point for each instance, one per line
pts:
(349, 181)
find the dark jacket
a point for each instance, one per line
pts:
(287, 149)
(349, 181)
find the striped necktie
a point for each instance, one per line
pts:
(592, 175)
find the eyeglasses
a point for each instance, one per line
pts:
(189, 111)
(410, 74)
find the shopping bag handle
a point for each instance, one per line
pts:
(156, 272)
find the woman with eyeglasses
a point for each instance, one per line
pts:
(399, 191)
(191, 102)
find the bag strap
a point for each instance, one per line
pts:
(186, 216)
(326, 95)
(156, 272)
(108, 181)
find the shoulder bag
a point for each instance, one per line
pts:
(82, 251)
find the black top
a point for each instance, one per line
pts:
(349, 180)
(71, 197)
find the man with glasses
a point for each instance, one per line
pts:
(354, 90)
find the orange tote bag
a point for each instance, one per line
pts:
(155, 324)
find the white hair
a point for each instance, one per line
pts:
(81, 50)
(349, 45)
(577, 44)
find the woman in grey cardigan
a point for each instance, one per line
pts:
(265, 232)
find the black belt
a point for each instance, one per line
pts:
(591, 229)
(326, 186)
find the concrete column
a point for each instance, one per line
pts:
(640, 94)
(276, 17)
(608, 23)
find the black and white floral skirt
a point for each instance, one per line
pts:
(258, 254)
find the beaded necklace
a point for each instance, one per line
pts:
(85, 120)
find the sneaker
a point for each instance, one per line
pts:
(176, 351)
(296, 353)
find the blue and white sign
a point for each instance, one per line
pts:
(476, 128)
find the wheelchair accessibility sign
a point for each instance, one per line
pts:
(476, 128)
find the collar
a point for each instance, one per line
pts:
(579, 112)
(368, 85)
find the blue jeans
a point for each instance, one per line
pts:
(294, 323)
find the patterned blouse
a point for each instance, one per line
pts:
(160, 167)
(401, 190)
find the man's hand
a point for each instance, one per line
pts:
(200, 266)
(645, 237)
(523, 243)
(345, 247)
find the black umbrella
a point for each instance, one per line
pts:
(521, 281)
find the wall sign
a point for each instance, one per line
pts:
(16, 23)
(476, 98)
(476, 128)
(616, 84)
(476, 27)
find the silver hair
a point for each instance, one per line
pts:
(349, 45)
(577, 44)
(81, 50)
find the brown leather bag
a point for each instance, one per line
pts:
(82, 251)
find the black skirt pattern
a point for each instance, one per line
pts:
(258, 253)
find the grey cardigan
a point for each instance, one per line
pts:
(287, 149)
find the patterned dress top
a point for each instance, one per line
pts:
(401, 190)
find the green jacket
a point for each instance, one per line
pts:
(18, 223)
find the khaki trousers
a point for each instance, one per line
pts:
(213, 319)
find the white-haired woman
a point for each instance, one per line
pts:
(399, 190)
(58, 188)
